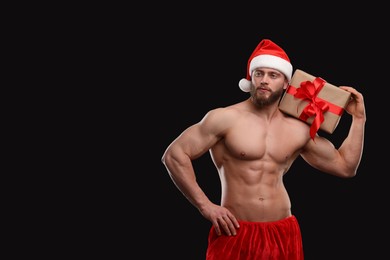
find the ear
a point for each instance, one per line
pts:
(286, 84)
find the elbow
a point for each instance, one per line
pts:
(168, 159)
(347, 173)
(165, 158)
(352, 173)
(346, 169)
(175, 159)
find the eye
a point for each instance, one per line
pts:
(257, 73)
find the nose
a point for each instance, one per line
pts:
(264, 79)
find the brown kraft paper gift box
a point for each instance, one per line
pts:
(315, 97)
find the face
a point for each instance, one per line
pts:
(267, 86)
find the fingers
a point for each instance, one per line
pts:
(355, 94)
(350, 89)
(227, 224)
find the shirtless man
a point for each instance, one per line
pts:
(253, 144)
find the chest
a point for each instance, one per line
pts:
(258, 140)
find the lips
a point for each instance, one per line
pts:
(263, 89)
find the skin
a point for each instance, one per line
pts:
(253, 144)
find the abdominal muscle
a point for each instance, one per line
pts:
(267, 205)
(254, 194)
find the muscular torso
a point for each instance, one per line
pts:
(251, 157)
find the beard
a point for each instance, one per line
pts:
(265, 100)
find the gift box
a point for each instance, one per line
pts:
(314, 101)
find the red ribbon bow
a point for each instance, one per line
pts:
(316, 106)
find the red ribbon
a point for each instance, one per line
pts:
(308, 91)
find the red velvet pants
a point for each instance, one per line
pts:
(277, 240)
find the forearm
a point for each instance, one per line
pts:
(352, 147)
(182, 173)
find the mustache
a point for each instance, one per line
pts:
(264, 88)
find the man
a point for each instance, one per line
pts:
(253, 144)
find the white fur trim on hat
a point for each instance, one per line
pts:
(266, 61)
(273, 62)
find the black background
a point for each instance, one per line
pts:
(127, 80)
(179, 67)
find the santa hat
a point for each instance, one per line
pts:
(267, 54)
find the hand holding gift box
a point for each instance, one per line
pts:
(314, 101)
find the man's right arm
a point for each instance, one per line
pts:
(192, 143)
(189, 145)
(178, 162)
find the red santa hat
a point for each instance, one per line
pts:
(267, 54)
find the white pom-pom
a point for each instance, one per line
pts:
(245, 85)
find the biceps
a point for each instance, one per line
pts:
(195, 142)
(321, 154)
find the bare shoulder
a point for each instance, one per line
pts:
(220, 119)
(223, 113)
(296, 127)
(293, 121)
